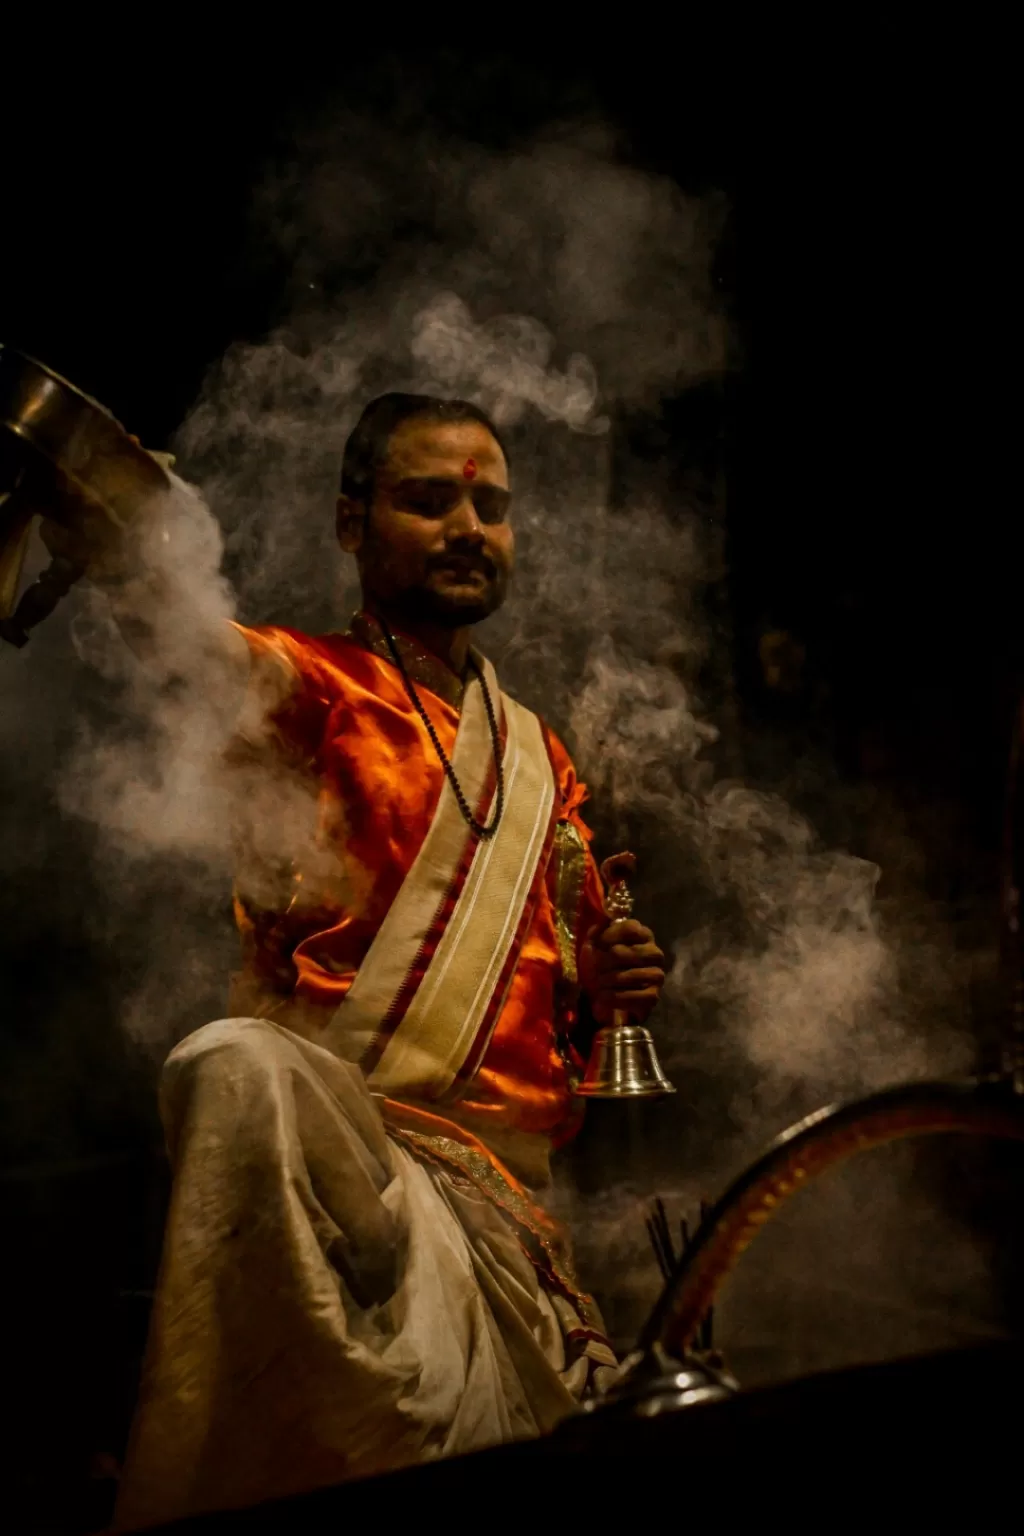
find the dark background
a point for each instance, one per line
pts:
(863, 430)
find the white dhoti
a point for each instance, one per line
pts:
(328, 1305)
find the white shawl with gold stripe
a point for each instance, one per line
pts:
(424, 1002)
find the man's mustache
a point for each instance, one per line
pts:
(466, 563)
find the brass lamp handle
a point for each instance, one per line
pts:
(39, 600)
(15, 529)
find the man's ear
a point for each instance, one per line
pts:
(350, 523)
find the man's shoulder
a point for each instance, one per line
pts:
(298, 681)
(325, 658)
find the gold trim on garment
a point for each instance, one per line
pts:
(570, 852)
(481, 1172)
(422, 665)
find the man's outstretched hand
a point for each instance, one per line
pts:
(621, 966)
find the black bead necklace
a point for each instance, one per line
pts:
(478, 827)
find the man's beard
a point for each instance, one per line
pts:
(422, 602)
(449, 612)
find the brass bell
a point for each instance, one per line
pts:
(623, 1062)
(623, 1065)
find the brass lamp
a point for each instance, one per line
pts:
(623, 1062)
(64, 458)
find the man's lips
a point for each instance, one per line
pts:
(464, 568)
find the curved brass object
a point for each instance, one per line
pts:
(53, 424)
(64, 457)
(987, 1107)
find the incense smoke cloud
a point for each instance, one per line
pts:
(507, 362)
(556, 287)
(562, 257)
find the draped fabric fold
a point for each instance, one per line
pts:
(329, 1305)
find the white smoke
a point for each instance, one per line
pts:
(605, 631)
(555, 287)
(505, 363)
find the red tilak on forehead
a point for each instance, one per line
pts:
(469, 469)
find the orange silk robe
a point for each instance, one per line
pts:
(347, 725)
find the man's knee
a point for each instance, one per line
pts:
(236, 1060)
(229, 1047)
(252, 1073)
(243, 1083)
(226, 1043)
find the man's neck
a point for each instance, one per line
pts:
(449, 645)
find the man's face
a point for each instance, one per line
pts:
(436, 544)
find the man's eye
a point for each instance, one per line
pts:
(427, 500)
(435, 499)
(491, 503)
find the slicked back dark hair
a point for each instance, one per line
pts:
(367, 445)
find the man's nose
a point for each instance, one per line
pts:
(462, 522)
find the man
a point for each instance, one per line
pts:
(356, 1274)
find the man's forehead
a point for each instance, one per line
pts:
(442, 449)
